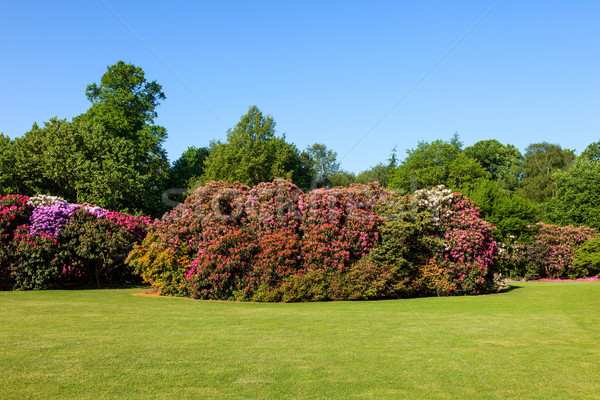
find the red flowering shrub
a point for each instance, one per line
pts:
(274, 215)
(34, 263)
(14, 212)
(221, 271)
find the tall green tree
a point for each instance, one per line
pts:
(577, 200)
(124, 103)
(437, 163)
(253, 154)
(541, 161)
(188, 167)
(503, 162)
(81, 162)
(323, 165)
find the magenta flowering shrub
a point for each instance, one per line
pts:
(34, 264)
(14, 212)
(468, 253)
(47, 242)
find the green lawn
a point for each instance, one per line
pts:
(538, 341)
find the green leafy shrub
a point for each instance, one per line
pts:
(311, 286)
(587, 258)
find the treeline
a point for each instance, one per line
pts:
(113, 156)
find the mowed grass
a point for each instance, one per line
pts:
(538, 341)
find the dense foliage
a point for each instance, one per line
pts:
(47, 242)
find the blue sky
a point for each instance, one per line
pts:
(326, 71)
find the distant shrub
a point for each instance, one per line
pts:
(587, 258)
(549, 254)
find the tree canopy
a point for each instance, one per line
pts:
(541, 161)
(253, 154)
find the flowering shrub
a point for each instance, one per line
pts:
(14, 212)
(550, 253)
(469, 251)
(34, 264)
(274, 212)
(274, 243)
(47, 242)
(438, 241)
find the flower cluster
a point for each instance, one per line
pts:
(42, 200)
(50, 219)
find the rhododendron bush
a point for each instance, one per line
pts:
(273, 242)
(47, 242)
(549, 254)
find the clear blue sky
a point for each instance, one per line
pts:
(326, 71)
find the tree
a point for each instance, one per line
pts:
(124, 104)
(541, 161)
(577, 200)
(503, 209)
(592, 152)
(323, 165)
(81, 162)
(436, 163)
(187, 167)
(378, 173)
(503, 162)
(342, 178)
(253, 154)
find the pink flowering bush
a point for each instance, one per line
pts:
(437, 243)
(468, 252)
(549, 254)
(339, 226)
